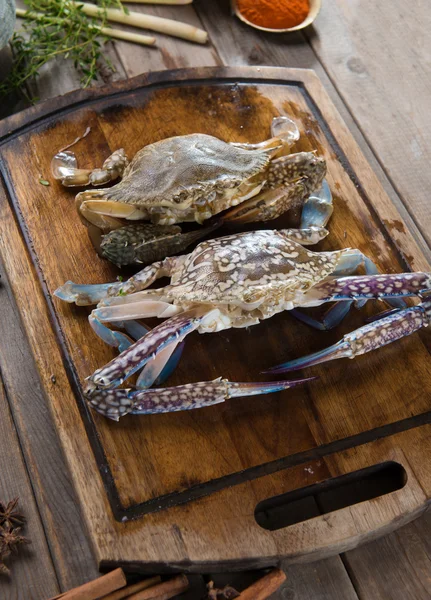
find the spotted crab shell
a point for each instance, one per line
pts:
(180, 168)
(244, 268)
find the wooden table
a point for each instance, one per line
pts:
(374, 62)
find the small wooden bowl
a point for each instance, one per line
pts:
(315, 6)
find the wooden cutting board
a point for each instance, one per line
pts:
(189, 491)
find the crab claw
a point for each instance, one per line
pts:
(369, 337)
(291, 179)
(85, 294)
(64, 167)
(117, 403)
(158, 340)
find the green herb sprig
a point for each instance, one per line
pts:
(58, 28)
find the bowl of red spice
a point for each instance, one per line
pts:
(277, 16)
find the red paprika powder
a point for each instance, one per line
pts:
(274, 14)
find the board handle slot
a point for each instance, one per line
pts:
(330, 495)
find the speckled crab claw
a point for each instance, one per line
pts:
(389, 328)
(291, 180)
(152, 351)
(64, 167)
(118, 403)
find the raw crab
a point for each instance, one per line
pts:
(233, 281)
(191, 178)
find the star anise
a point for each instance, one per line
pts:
(9, 516)
(10, 540)
(227, 593)
(3, 569)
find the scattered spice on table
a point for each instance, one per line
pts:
(227, 593)
(274, 14)
(10, 538)
(9, 514)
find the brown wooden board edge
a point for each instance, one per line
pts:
(35, 116)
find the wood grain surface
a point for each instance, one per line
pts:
(233, 43)
(69, 547)
(33, 560)
(245, 443)
(372, 73)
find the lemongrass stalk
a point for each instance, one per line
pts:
(127, 36)
(144, 40)
(168, 26)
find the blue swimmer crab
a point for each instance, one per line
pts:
(191, 178)
(233, 281)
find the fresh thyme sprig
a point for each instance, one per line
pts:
(57, 28)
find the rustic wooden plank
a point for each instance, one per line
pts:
(396, 567)
(384, 80)
(322, 580)
(56, 499)
(33, 574)
(238, 44)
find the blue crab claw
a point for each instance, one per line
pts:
(318, 208)
(162, 367)
(86, 294)
(83, 294)
(162, 339)
(369, 337)
(117, 403)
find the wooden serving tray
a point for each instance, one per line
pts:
(179, 491)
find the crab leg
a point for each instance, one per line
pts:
(64, 167)
(117, 403)
(170, 361)
(87, 294)
(112, 338)
(318, 208)
(141, 352)
(349, 262)
(124, 311)
(366, 287)
(167, 359)
(306, 237)
(369, 337)
(284, 134)
(160, 367)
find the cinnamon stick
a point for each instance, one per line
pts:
(132, 589)
(263, 588)
(163, 591)
(98, 587)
